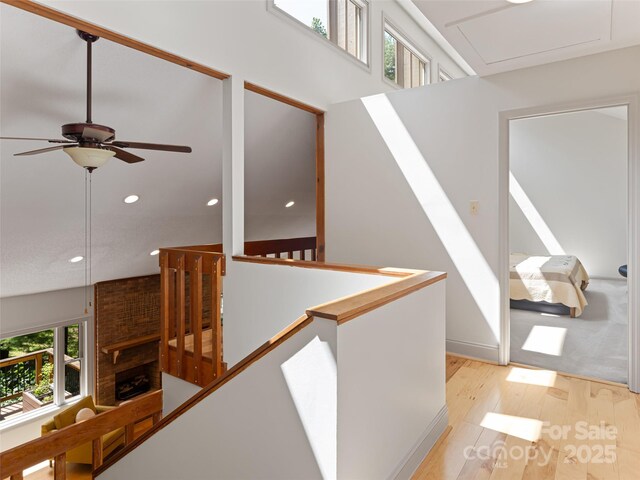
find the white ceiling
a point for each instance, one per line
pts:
(42, 86)
(495, 36)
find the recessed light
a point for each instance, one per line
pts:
(519, 1)
(290, 204)
(212, 202)
(155, 252)
(76, 259)
(131, 199)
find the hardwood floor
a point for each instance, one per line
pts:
(517, 423)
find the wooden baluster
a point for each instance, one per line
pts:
(129, 430)
(302, 252)
(216, 318)
(60, 467)
(173, 332)
(277, 255)
(180, 306)
(195, 301)
(313, 254)
(97, 452)
(165, 311)
(290, 255)
(38, 367)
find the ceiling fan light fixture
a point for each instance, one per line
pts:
(89, 157)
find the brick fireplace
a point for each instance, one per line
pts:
(126, 310)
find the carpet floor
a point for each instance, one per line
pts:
(594, 344)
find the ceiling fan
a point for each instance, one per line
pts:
(90, 145)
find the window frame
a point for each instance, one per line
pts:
(388, 26)
(364, 61)
(85, 356)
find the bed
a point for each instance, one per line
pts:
(549, 283)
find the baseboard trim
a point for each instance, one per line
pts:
(471, 350)
(427, 440)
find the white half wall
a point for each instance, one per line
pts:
(250, 427)
(386, 405)
(453, 135)
(175, 392)
(573, 168)
(244, 39)
(261, 300)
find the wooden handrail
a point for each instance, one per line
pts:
(352, 306)
(340, 267)
(7, 362)
(286, 246)
(341, 310)
(257, 354)
(55, 444)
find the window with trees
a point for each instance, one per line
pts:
(42, 368)
(342, 22)
(403, 65)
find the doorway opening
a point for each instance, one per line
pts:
(568, 249)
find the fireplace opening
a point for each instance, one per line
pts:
(135, 381)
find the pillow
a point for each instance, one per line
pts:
(84, 414)
(68, 416)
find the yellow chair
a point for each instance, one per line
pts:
(84, 453)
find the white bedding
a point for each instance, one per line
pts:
(552, 278)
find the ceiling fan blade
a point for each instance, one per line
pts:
(43, 150)
(152, 146)
(125, 156)
(50, 140)
(96, 134)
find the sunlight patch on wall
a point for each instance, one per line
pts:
(547, 340)
(534, 218)
(312, 378)
(465, 254)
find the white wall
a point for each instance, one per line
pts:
(453, 129)
(175, 392)
(261, 300)
(249, 428)
(244, 39)
(391, 385)
(363, 400)
(573, 168)
(279, 166)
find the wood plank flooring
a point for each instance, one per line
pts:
(585, 430)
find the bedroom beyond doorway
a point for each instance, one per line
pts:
(568, 242)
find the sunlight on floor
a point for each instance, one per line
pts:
(548, 340)
(544, 378)
(521, 427)
(311, 375)
(534, 218)
(456, 239)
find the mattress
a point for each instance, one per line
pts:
(548, 278)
